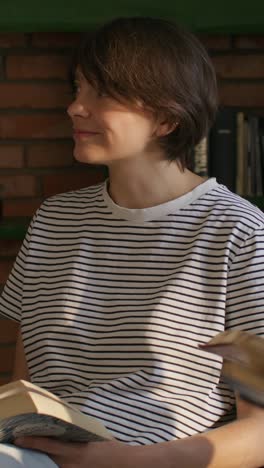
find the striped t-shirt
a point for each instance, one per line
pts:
(113, 303)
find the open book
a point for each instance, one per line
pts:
(26, 409)
(243, 362)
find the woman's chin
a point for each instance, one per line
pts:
(87, 157)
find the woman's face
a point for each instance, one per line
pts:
(106, 130)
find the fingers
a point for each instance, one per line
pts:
(49, 446)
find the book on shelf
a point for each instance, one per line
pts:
(261, 143)
(255, 186)
(243, 363)
(27, 409)
(241, 151)
(259, 170)
(200, 164)
(223, 148)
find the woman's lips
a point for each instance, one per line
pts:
(83, 134)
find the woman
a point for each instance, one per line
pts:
(117, 284)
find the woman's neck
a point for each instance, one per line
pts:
(137, 184)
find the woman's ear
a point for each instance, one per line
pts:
(164, 128)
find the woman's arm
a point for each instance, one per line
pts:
(20, 369)
(235, 445)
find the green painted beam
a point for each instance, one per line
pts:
(13, 228)
(223, 16)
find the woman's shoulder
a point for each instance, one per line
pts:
(80, 195)
(73, 200)
(227, 206)
(69, 205)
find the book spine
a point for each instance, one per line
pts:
(245, 142)
(201, 158)
(259, 179)
(253, 129)
(261, 144)
(223, 148)
(241, 168)
(249, 161)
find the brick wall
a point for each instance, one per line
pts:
(35, 141)
(35, 134)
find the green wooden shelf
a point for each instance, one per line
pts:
(227, 16)
(13, 228)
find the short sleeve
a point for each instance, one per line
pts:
(11, 298)
(245, 288)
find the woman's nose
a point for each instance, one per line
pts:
(77, 108)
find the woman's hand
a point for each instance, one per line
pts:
(109, 454)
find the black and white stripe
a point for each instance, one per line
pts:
(114, 302)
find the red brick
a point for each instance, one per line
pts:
(249, 42)
(8, 331)
(37, 125)
(55, 39)
(239, 66)
(37, 66)
(50, 155)
(13, 40)
(9, 247)
(25, 207)
(215, 41)
(58, 183)
(5, 269)
(34, 96)
(242, 94)
(11, 156)
(18, 186)
(7, 355)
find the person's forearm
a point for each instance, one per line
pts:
(235, 445)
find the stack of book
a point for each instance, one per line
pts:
(234, 152)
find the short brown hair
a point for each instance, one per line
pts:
(157, 62)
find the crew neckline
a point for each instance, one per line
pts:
(158, 211)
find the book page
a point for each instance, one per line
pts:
(32, 424)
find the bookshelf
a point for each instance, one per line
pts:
(234, 153)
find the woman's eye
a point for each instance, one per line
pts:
(102, 94)
(75, 88)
